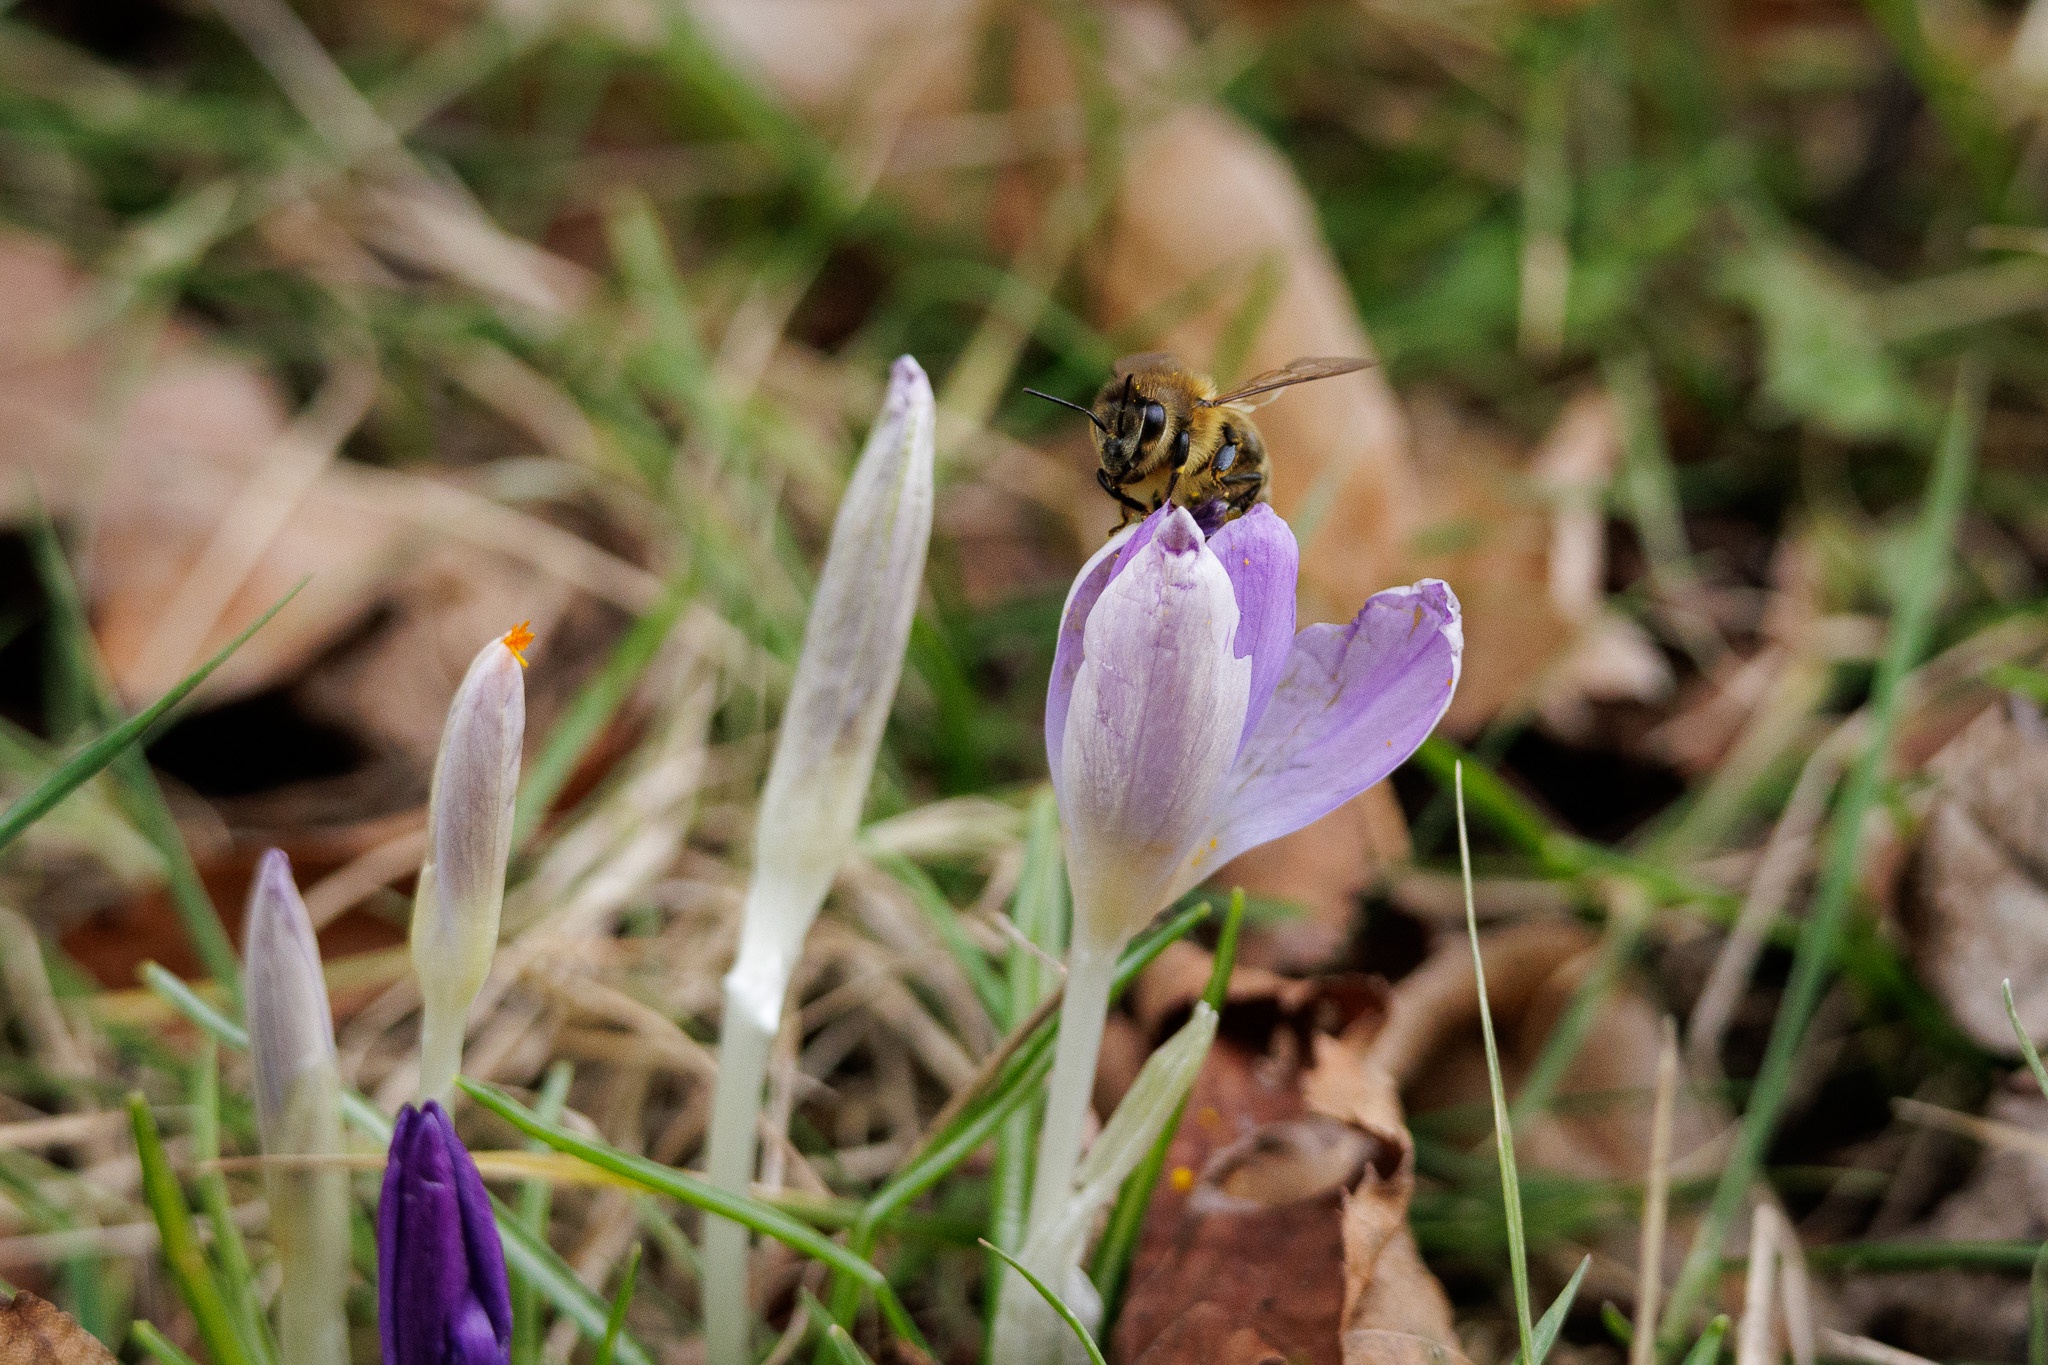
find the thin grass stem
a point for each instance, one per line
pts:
(1821, 935)
(1503, 1127)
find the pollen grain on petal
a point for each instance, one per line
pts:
(517, 639)
(1183, 1179)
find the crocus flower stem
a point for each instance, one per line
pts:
(1083, 1013)
(824, 757)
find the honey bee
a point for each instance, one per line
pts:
(1164, 433)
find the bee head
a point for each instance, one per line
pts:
(1128, 424)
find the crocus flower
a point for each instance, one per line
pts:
(1187, 722)
(469, 839)
(810, 809)
(298, 1113)
(442, 1294)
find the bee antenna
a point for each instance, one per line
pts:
(1089, 413)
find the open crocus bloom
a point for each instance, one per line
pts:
(1187, 721)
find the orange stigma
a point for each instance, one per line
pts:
(517, 639)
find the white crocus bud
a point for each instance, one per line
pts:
(469, 839)
(824, 757)
(298, 1114)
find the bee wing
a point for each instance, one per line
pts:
(1287, 376)
(1147, 360)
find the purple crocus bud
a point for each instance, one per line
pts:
(442, 1295)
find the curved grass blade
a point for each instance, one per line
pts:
(161, 1347)
(623, 1300)
(1503, 1126)
(1708, 1347)
(1552, 1321)
(843, 1348)
(2027, 1048)
(182, 1254)
(74, 771)
(1095, 1356)
(659, 1179)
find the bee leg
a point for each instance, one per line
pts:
(1110, 487)
(1244, 492)
(1172, 482)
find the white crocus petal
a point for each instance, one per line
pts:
(469, 840)
(844, 688)
(298, 1113)
(1151, 730)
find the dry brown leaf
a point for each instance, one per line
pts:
(34, 1331)
(1979, 909)
(1314, 1170)
(1325, 868)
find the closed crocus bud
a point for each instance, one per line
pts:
(839, 702)
(442, 1294)
(298, 1113)
(469, 839)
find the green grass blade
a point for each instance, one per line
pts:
(2037, 1310)
(188, 1002)
(1708, 1348)
(141, 797)
(1039, 910)
(989, 989)
(104, 750)
(615, 1321)
(843, 1348)
(181, 1251)
(528, 1257)
(1503, 1126)
(1552, 1321)
(1119, 1246)
(593, 708)
(235, 1268)
(161, 1347)
(2027, 1048)
(656, 1178)
(1821, 936)
(535, 1198)
(1095, 1356)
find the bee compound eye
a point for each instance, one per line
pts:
(1155, 422)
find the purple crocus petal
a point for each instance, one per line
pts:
(1259, 553)
(442, 1293)
(1155, 712)
(1067, 652)
(1353, 703)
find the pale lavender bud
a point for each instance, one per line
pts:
(844, 687)
(298, 1114)
(469, 840)
(824, 757)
